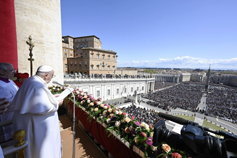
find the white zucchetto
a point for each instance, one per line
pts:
(44, 68)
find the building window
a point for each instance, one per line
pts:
(70, 46)
(114, 57)
(125, 90)
(142, 87)
(71, 55)
(91, 55)
(103, 67)
(117, 91)
(85, 62)
(108, 57)
(137, 88)
(85, 45)
(65, 55)
(108, 92)
(131, 89)
(79, 66)
(98, 56)
(92, 67)
(108, 67)
(65, 65)
(65, 50)
(98, 93)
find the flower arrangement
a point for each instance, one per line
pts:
(126, 126)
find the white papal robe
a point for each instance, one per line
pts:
(36, 113)
(8, 90)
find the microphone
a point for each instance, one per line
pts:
(55, 82)
(173, 118)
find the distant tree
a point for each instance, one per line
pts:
(150, 71)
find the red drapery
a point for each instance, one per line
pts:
(8, 40)
(111, 144)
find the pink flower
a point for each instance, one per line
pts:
(151, 127)
(124, 113)
(149, 141)
(166, 148)
(127, 119)
(133, 117)
(176, 155)
(96, 109)
(138, 123)
(143, 134)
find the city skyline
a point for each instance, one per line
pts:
(160, 34)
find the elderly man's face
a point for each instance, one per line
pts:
(9, 72)
(49, 76)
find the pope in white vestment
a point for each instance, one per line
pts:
(36, 113)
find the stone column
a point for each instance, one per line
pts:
(42, 20)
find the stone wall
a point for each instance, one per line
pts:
(42, 20)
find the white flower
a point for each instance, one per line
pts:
(108, 120)
(88, 101)
(104, 112)
(98, 103)
(82, 102)
(96, 109)
(116, 112)
(153, 148)
(109, 110)
(117, 123)
(138, 129)
(105, 107)
(146, 126)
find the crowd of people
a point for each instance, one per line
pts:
(160, 85)
(222, 102)
(142, 114)
(183, 95)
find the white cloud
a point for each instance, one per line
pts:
(183, 62)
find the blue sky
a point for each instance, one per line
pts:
(158, 33)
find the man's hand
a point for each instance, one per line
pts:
(60, 102)
(56, 95)
(3, 105)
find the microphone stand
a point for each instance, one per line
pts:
(73, 120)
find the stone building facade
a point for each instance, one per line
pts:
(68, 51)
(230, 80)
(126, 72)
(89, 58)
(112, 88)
